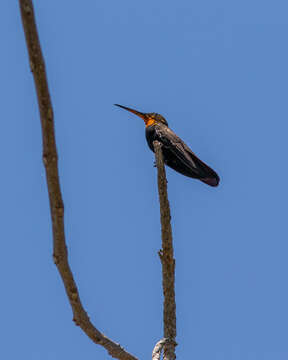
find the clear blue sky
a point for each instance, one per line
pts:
(217, 70)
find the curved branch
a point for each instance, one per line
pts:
(50, 159)
(166, 255)
(156, 353)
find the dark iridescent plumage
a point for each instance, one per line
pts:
(176, 153)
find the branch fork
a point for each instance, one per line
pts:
(60, 253)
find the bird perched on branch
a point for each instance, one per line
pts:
(176, 153)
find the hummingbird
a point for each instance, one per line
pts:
(176, 154)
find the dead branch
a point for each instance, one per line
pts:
(50, 159)
(167, 260)
(156, 353)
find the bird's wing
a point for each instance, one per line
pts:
(180, 150)
(170, 140)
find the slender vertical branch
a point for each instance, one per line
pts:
(50, 159)
(167, 259)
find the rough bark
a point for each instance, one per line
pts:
(166, 255)
(50, 159)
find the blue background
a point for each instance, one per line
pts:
(217, 70)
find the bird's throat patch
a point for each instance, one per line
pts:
(150, 122)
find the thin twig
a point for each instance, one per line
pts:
(156, 353)
(167, 259)
(50, 160)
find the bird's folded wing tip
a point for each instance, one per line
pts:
(211, 181)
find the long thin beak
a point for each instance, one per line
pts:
(142, 115)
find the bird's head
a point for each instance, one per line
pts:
(149, 118)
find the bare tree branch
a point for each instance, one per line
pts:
(167, 259)
(156, 353)
(50, 160)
